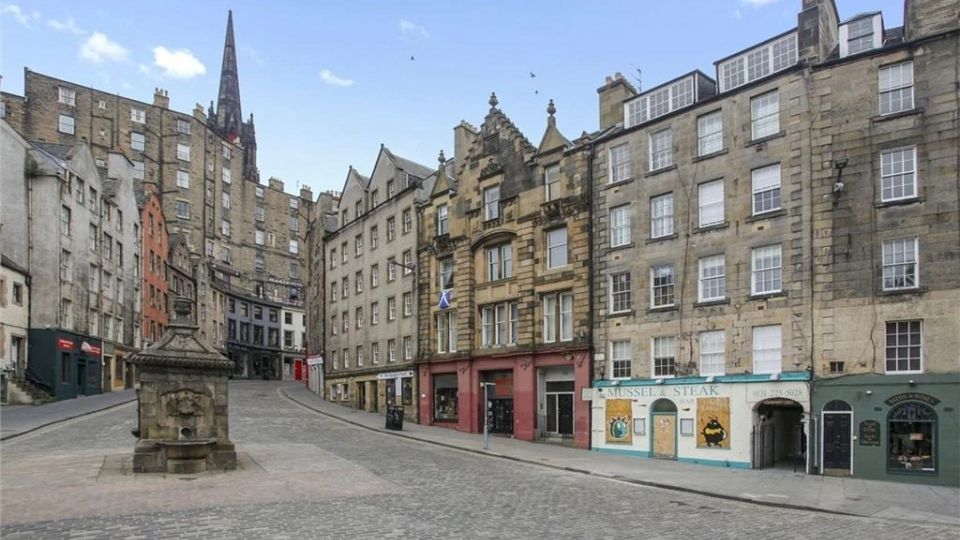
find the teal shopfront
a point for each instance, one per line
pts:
(898, 428)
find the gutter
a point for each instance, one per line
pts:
(591, 154)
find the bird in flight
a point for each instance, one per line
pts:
(412, 58)
(532, 74)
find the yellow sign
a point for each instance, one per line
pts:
(619, 425)
(713, 422)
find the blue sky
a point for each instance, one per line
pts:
(328, 81)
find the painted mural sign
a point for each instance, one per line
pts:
(912, 396)
(713, 422)
(619, 416)
(869, 433)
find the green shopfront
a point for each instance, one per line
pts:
(899, 428)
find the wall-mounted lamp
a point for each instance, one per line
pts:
(775, 377)
(869, 392)
(615, 383)
(659, 381)
(711, 378)
(839, 164)
(912, 383)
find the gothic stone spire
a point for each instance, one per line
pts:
(229, 116)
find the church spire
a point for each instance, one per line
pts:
(229, 116)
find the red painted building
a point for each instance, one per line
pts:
(504, 281)
(153, 264)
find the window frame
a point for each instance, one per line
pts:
(625, 346)
(620, 291)
(907, 154)
(659, 219)
(776, 190)
(551, 246)
(620, 226)
(658, 353)
(706, 190)
(708, 355)
(551, 182)
(660, 150)
(63, 126)
(901, 88)
(491, 206)
(659, 292)
(706, 139)
(919, 345)
(702, 265)
(893, 264)
(757, 272)
(756, 347)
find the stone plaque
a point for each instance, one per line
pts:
(869, 433)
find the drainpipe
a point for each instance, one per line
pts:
(591, 153)
(22, 371)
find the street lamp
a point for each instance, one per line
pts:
(486, 414)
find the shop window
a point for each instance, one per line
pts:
(913, 428)
(445, 397)
(407, 389)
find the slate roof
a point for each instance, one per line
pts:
(56, 150)
(411, 167)
(8, 262)
(860, 16)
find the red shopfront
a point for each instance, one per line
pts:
(451, 394)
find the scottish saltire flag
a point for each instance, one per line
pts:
(445, 298)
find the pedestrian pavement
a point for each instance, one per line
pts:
(772, 487)
(16, 420)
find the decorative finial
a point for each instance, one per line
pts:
(551, 110)
(182, 308)
(442, 159)
(493, 100)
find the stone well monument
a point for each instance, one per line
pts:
(182, 402)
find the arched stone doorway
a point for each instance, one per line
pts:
(663, 431)
(778, 437)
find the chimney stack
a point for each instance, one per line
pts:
(161, 98)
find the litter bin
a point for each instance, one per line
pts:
(395, 417)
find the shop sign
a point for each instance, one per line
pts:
(869, 433)
(791, 394)
(64, 344)
(93, 350)
(912, 396)
(394, 375)
(679, 391)
(314, 360)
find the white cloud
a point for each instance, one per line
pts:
(411, 29)
(179, 63)
(328, 77)
(99, 49)
(68, 26)
(25, 19)
(756, 3)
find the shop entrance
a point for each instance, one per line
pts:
(82, 376)
(362, 396)
(837, 434)
(778, 437)
(664, 429)
(501, 403)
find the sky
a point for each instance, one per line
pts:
(329, 81)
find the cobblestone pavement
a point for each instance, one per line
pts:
(307, 476)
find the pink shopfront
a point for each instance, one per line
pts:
(532, 396)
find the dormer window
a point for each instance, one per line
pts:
(862, 34)
(661, 101)
(748, 66)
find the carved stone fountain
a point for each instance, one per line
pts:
(182, 402)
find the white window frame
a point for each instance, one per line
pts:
(183, 126)
(766, 266)
(183, 179)
(391, 229)
(407, 304)
(621, 360)
(896, 88)
(374, 313)
(619, 163)
(620, 226)
(551, 183)
(557, 317)
(375, 275)
(138, 115)
(392, 308)
(710, 133)
(446, 325)
(621, 300)
(183, 152)
(139, 170)
(710, 199)
(556, 244)
(765, 115)
(767, 190)
(497, 328)
(712, 278)
(67, 124)
(661, 215)
(225, 200)
(661, 149)
(375, 352)
(500, 262)
(898, 174)
(226, 175)
(660, 101)
(899, 335)
(491, 203)
(391, 351)
(138, 141)
(856, 37)
(358, 281)
(661, 292)
(781, 54)
(713, 346)
(294, 246)
(767, 349)
(901, 263)
(224, 227)
(443, 219)
(259, 236)
(67, 96)
(661, 349)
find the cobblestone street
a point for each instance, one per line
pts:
(307, 476)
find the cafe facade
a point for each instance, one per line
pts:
(744, 421)
(896, 428)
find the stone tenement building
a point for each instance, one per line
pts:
(794, 219)
(201, 164)
(76, 226)
(370, 342)
(505, 272)
(323, 219)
